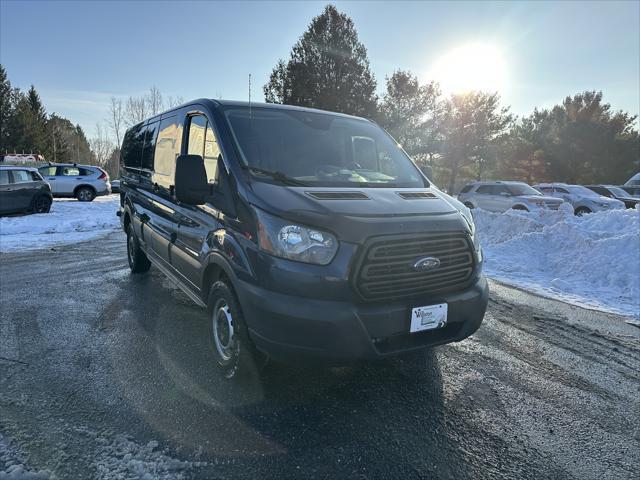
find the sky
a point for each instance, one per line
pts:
(80, 54)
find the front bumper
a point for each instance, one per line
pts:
(288, 327)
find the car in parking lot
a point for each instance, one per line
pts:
(499, 196)
(22, 189)
(632, 186)
(84, 182)
(581, 198)
(305, 233)
(115, 186)
(611, 191)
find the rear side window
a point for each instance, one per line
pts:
(485, 189)
(4, 177)
(466, 188)
(132, 147)
(69, 171)
(561, 190)
(149, 146)
(85, 172)
(48, 171)
(21, 176)
(167, 146)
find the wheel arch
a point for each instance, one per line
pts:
(83, 185)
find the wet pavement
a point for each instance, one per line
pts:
(107, 375)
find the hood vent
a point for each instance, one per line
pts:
(416, 195)
(338, 195)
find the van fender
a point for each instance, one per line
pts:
(216, 266)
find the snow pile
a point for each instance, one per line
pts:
(12, 464)
(593, 260)
(69, 221)
(123, 458)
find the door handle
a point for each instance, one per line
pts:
(78, 178)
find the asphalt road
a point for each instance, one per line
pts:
(106, 375)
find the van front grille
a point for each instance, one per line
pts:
(386, 269)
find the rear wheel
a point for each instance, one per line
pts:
(229, 341)
(138, 261)
(582, 210)
(85, 194)
(41, 204)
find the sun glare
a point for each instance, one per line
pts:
(471, 67)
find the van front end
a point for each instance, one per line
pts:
(380, 294)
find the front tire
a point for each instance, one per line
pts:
(85, 194)
(582, 210)
(41, 204)
(138, 261)
(229, 341)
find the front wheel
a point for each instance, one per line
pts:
(138, 261)
(229, 341)
(42, 204)
(582, 210)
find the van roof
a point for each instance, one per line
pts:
(218, 103)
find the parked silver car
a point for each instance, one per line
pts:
(500, 196)
(84, 182)
(581, 198)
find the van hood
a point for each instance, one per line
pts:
(367, 211)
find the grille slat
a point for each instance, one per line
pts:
(387, 270)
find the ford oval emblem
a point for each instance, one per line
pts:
(426, 264)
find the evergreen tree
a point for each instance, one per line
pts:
(6, 109)
(328, 68)
(412, 113)
(473, 125)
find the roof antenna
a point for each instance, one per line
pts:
(249, 95)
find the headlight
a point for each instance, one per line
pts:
(282, 238)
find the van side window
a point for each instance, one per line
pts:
(167, 146)
(203, 142)
(149, 146)
(132, 147)
(211, 152)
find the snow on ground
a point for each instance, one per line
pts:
(12, 464)
(69, 221)
(592, 261)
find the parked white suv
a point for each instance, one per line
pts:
(583, 199)
(84, 182)
(502, 196)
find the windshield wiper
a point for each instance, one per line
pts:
(279, 176)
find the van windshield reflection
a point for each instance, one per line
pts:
(319, 149)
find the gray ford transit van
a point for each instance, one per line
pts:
(304, 233)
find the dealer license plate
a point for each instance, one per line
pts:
(428, 318)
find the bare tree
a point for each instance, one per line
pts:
(101, 145)
(115, 121)
(174, 101)
(136, 110)
(154, 100)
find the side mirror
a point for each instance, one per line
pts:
(191, 186)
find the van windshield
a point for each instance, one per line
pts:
(319, 149)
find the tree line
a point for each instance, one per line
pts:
(26, 127)
(465, 136)
(462, 137)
